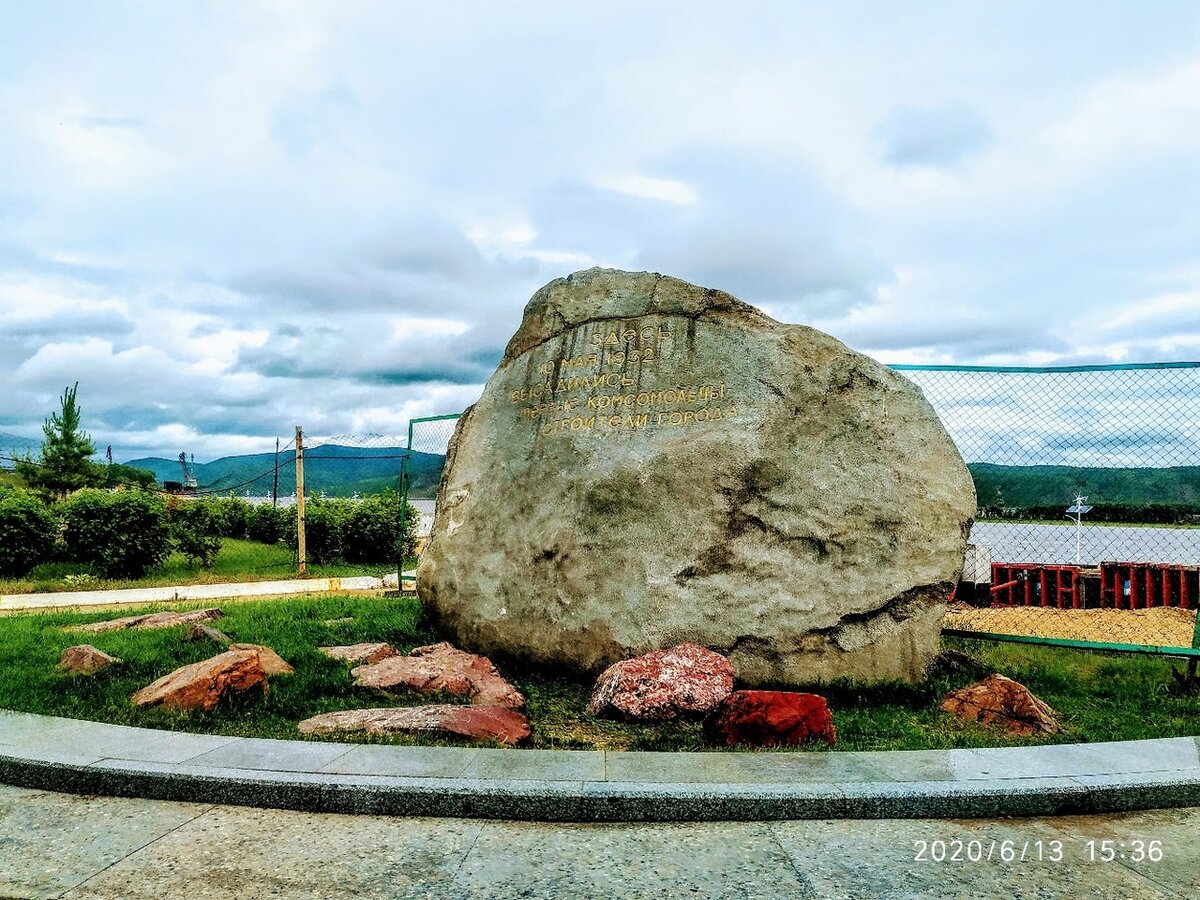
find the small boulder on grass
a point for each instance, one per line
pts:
(442, 668)
(198, 631)
(771, 719)
(84, 659)
(151, 620)
(683, 680)
(478, 723)
(1000, 702)
(366, 653)
(272, 662)
(201, 685)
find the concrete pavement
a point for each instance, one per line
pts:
(44, 752)
(61, 845)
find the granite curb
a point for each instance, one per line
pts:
(75, 756)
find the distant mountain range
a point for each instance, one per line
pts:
(341, 471)
(332, 469)
(1026, 486)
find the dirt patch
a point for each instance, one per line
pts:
(1157, 627)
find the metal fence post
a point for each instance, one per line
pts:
(403, 505)
(301, 550)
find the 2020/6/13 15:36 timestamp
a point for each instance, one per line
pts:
(1134, 850)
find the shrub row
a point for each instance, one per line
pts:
(124, 534)
(372, 530)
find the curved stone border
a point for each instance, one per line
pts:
(594, 786)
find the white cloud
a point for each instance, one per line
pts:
(666, 190)
(225, 222)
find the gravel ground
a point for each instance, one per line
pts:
(1159, 627)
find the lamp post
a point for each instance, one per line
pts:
(1075, 514)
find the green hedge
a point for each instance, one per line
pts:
(28, 532)
(197, 527)
(268, 525)
(121, 535)
(371, 530)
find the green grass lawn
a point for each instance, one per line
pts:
(1099, 697)
(238, 560)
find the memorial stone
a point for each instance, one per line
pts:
(655, 462)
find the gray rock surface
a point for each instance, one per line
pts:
(655, 462)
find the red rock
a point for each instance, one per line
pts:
(472, 722)
(441, 667)
(202, 684)
(152, 620)
(84, 659)
(664, 684)
(361, 653)
(272, 662)
(1000, 702)
(772, 719)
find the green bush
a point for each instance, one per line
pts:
(196, 527)
(376, 532)
(27, 533)
(324, 529)
(121, 535)
(233, 514)
(268, 524)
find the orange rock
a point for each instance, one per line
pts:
(441, 667)
(361, 653)
(1001, 702)
(272, 662)
(202, 684)
(84, 659)
(473, 722)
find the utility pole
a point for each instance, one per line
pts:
(301, 555)
(275, 486)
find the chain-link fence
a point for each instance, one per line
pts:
(1088, 527)
(1088, 481)
(428, 441)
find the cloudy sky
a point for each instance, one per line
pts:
(224, 219)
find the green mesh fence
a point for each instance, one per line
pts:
(1088, 481)
(428, 441)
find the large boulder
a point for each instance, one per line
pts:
(684, 680)
(655, 462)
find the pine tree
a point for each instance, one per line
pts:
(65, 464)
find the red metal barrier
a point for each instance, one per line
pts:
(1141, 585)
(1030, 584)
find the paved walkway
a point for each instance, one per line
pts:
(60, 845)
(185, 592)
(580, 786)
